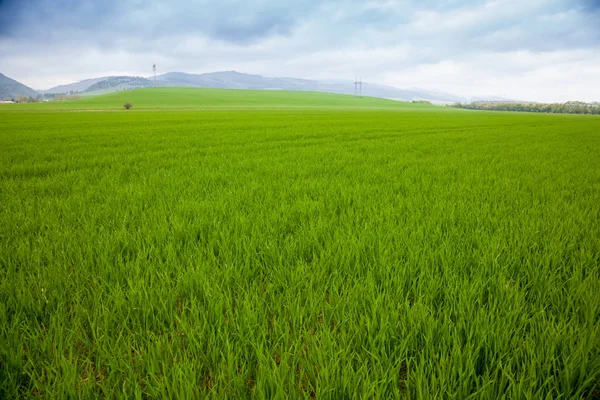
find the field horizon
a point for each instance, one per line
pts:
(198, 98)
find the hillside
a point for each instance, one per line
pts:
(9, 88)
(237, 80)
(188, 98)
(98, 86)
(120, 83)
(80, 86)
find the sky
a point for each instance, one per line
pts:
(537, 50)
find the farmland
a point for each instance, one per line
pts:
(186, 98)
(390, 250)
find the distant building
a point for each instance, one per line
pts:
(6, 102)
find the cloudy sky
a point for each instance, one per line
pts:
(542, 50)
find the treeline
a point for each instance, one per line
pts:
(40, 98)
(65, 97)
(23, 99)
(571, 107)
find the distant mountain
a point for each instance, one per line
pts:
(75, 87)
(230, 80)
(120, 83)
(236, 80)
(492, 99)
(9, 88)
(101, 85)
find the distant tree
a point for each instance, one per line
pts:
(127, 106)
(571, 107)
(66, 97)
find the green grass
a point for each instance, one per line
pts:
(187, 98)
(299, 253)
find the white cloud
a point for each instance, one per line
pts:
(547, 77)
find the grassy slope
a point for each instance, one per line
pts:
(166, 98)
(336, 253)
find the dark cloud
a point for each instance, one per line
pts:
(246, 21)
(229, 20)
(9, 11)
(34, 17)
(591, 5)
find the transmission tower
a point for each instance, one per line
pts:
(358, 87)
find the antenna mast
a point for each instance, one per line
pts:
(154, 70)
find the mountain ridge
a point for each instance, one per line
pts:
(237, 80)
(10, 88)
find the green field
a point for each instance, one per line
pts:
(186, 98)
(298, 253)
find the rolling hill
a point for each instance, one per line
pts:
(120, 83)
(80, 86)
(237, 80)
(9, 88)
(190, 98)
(104, 85)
